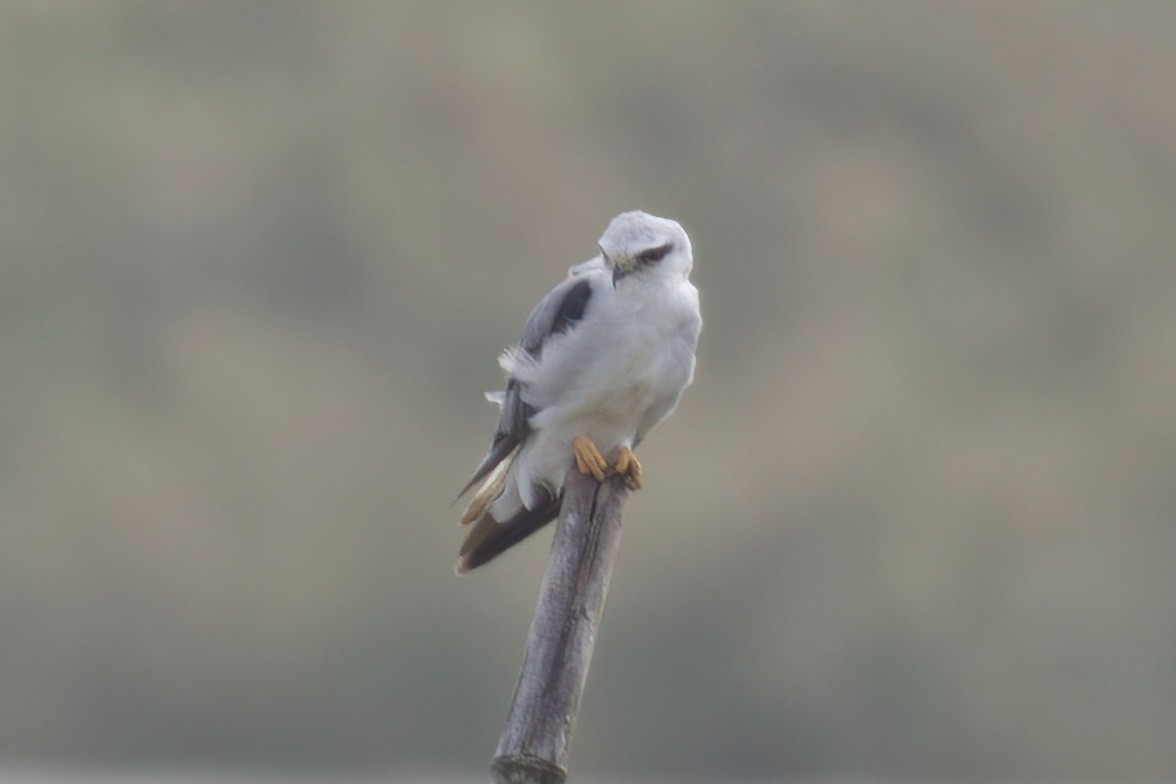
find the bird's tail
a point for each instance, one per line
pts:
(489, 538)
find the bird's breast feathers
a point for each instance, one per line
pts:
(628, 360)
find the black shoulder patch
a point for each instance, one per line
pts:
(572, 308)
(558, 312)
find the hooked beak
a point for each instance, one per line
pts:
(619, 270)
(622, 270)
(616, 273)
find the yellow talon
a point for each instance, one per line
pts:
(588, 458)
(628, 467)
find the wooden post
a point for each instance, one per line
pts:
(533, 748)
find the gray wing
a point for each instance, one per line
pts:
(558, 312)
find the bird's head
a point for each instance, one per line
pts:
(643, 246)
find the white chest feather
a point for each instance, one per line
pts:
(642, 355)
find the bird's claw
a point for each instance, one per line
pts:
(628, 468)
(588, 458)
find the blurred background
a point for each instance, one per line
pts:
(914, 521)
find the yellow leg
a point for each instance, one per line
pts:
(627, 466)
(588, 458)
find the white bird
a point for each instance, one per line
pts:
(604, 357)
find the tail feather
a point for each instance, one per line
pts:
(490, 538)
(502, 449)
(489, 492)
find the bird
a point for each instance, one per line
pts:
(603, 359)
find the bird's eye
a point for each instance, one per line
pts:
(654, 255)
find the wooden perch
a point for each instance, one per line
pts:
(533, 748)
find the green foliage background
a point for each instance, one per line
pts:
(916, 517)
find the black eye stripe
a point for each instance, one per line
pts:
(654, 254)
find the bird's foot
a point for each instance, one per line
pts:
(628, 468)
(588, 458)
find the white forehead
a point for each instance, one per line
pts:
(631, 232)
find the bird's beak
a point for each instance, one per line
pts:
(616, 272)
(622, 269)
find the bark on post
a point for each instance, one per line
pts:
(533, 748)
